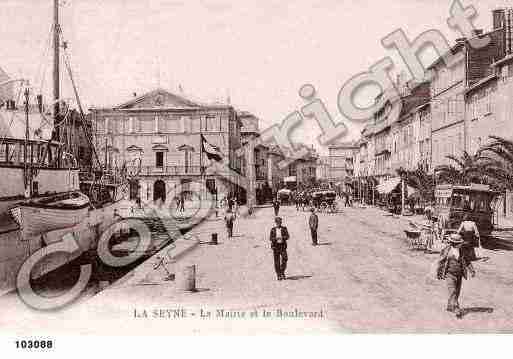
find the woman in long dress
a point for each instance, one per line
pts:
(470, 234)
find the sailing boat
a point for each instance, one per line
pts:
(42, 190)
(43, 182)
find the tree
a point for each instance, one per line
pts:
(468, 169)
(500, 154)
(420, 180)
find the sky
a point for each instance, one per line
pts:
(259, 53)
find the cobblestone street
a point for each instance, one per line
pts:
(363, 277)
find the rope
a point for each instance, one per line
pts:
(45, 54)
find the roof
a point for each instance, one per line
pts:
(481, 83)
(454, 49)
(504, 60)
(157, 95)
(249, 122)
(163, 100)
(344, 145)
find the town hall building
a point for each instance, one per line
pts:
(159, 134)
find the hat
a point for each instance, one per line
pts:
(455, 238)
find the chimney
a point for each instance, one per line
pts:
(498, 18)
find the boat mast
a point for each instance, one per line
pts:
(25, 147)
(56, 76)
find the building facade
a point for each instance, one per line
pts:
(449, 129)
(341, 161)
(161, 134)
(405, 131)
(323, 170)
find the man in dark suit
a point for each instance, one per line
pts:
(279, 236)
(313, 222)
(276, 206)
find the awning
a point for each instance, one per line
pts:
(388, 186)
(411, 191)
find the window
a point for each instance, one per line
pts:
(3, 152)
(159, 159)
(131, 124)
(185, 124)
(212, 123)
(292, 170)
(211, 185)
(100, 125)
(489, 100)
(195, 124)
(172, 124)
(163, 124)
(186, 161)
(147, 125)
(473, 107)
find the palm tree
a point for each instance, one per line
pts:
(468, 169)
(500, 153)
(420, 180)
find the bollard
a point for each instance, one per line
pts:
(214, 239)
(186, 278)
(102, 285)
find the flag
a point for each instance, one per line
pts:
(212, 152)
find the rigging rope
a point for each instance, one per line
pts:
(45, 54)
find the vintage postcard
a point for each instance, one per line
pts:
(255, 168)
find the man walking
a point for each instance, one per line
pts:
(279, 236)
(453, 266)
(313, 222)
(229, 218)
(182, 202)
(276, 206)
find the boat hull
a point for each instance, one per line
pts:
(36, 221)
(50, 214)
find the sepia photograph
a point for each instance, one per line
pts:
(255, 168)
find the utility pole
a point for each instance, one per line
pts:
(402, 196)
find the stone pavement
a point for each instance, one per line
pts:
(362, 278)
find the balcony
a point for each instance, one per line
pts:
(168, 170)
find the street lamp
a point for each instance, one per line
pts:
(403, 179)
